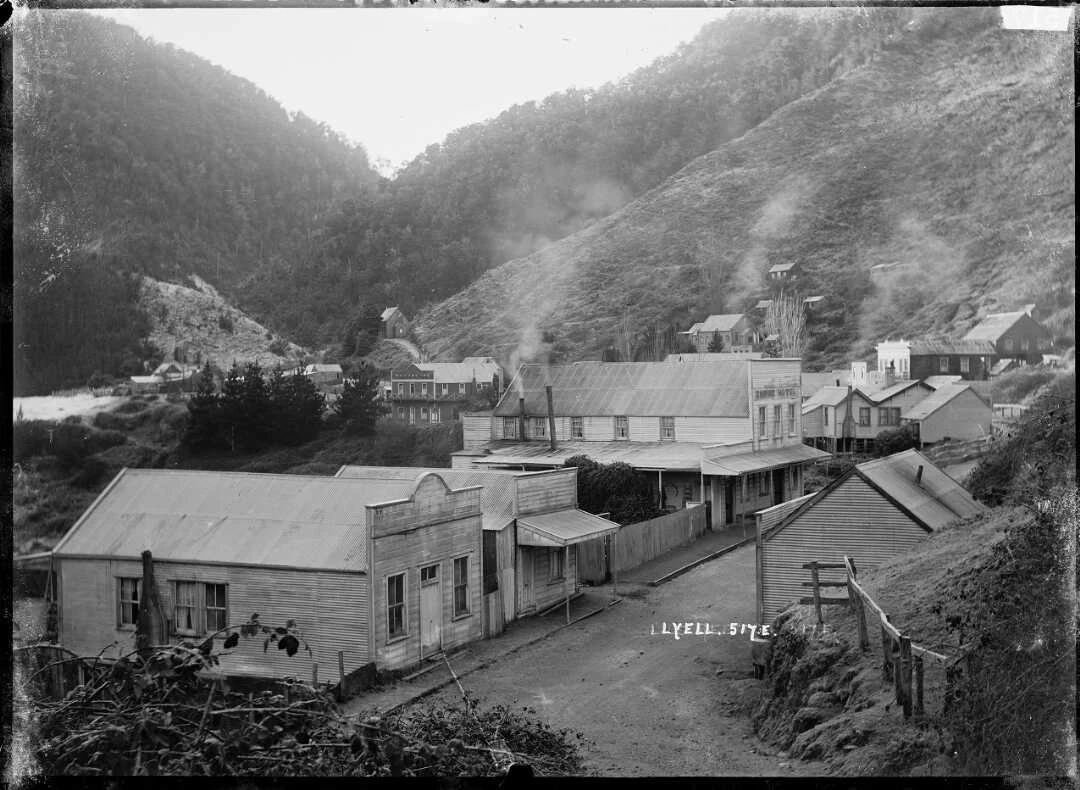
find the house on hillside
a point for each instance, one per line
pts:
(726, 432)
(874, 511)
(732, 330)
(432, 392)
(1016, 336)
(952, 412)
(783, 272)
(394, 323)
(324, 375)
(850, 418)
(532, 530)
(918, 359)
(348, 560)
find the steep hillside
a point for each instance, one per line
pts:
(132, 156)
(951, 151)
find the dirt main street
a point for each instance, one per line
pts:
(651, 705)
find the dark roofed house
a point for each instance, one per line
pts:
(394, 323)
(731, 329)
(1015, 336)
(920, 359)
(782, 272)
(874, 511)
(346, 559)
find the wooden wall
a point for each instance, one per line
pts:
(964, 417)
(546, 492)
(547, 592)
(330, 608)
(635, 544)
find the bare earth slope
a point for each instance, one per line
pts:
(953, 155)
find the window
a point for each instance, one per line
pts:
(434, 415)
(622, 427)
(889, 416)
(1044, 344)
(965, 364)
(667, 428)
(1008, 344)
(401, 412)
(217, 607)
(763, 483)
(825, 411)
(539, 427)
(412, 387)
(1025, 344)
(184, 608)
(894, 415)
(509, 428)
(791, 418)
(776, 411)
(577, 427)
(882, 416)
(395, 606)
(412, 414)
(401, 388)
(943, 364)
(129, 602)
(423, 414)
(461, 586)
(429, 574)
(864, 415)
(445, 388)
(423, 388)
(761, 420)
(555, 564)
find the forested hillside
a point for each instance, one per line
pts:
(950, 152)
(139, 157)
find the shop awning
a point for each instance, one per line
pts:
(744, 463)
(563, 528)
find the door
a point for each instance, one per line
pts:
(729, 500)
(430, 610)
(778, 485)
(527, 558)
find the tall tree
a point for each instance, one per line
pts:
(359, 406)
(786, 318)
(204, 427)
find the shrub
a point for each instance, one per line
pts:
(31, 438)
(111, 421)
(895, 440)
(90, 472)
(1014, 386)
(225, 323)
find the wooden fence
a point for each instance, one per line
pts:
(635, 544)
(903, 661)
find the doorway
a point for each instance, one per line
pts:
(778, 485)
(527, 557)
(430, 610)
(729, 500)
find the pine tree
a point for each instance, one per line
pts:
(204, 428)
(359, 406)
(296, 408)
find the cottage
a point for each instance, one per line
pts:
(532, 529)
(874, 511)
(731, 330)
(918, 359)
(782, 272)
(383, 571)
(839, 418)
(950, 412)
(430, 392)
(394, 323)
(812, 382)
(324, 375)
(1015, 336)
(725, 432)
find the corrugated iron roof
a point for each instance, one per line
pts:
(936, 382)
(232, 517)
(714, 356)
(994, 326)
(668, 389)
(979, 347)
(563, 528)
(496, 498)
(934, 401)
(781, 267)
(935, 500)
(320, 367)
(883, 394)
(826, 396)
(742, 463)
(720, 323)
(469, 369)
(674, 456)
(764, 304)
(813, 382)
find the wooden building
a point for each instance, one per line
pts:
(394, 323)
(379, 571)
(874, 511)
(1015, 336)
(532, 527)
(850, 418)
(722, 431)
(733, 330)
(919, 359)
(782, 273)
(430, 392)
(951, 412)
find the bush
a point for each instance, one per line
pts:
(71, 443)
(111, 421)
(225, 323)
(30, 438)
(895, 440)
(1015, 385)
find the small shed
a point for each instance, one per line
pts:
(394, 323)
(874, 511)
(783, 271)
(324, 374)
(953, 411)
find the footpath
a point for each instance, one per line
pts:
(713, 544)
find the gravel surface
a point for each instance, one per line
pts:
(650, 704)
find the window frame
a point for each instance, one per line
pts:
(193, 606)
(433, 578)
(864, 411)
(577, 427)
(762, 422)
(509, 428)
(623, 421)
(763, 482)
(1007, 344)
(883, 416)
(778, 414)
(825, 411)
(445, 388)
(791, 419)
(133, 602)
(943, 364)
(539, 427)
(207, 608)
(434, 416)
(667, 429)
(463, 583)
(965, 364)
(391, 635)
(556, 557)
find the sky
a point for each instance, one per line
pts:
(399, 79)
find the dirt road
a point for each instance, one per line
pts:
(651, 704)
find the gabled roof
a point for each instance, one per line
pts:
(935, 400)
(763, 304)
(826, 396)
(240, 518)
(980, 347)
(389, 311)
(997, 324)
(814, 381)
(597, 389)
(320, 367)
(883, 394)
(937, 382)
(932, 500)
(782, 267)
(718, 323)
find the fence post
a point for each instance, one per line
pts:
(341, 675)
(886, 651)
(919, 710)
(251, 708)
(315, 673)
(860, 614)
(817, 592)
(905, 674)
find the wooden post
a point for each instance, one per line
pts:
(315, 673)
(919, 710)
(817, 592)
(341, 675)
(886, 650)
(82, 673)
(905, 674)
(251, 708)
(860, 614)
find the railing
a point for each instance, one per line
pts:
(901, 658)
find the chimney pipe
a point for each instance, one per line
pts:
(521, 418)
(551, 416)
(918, 476)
